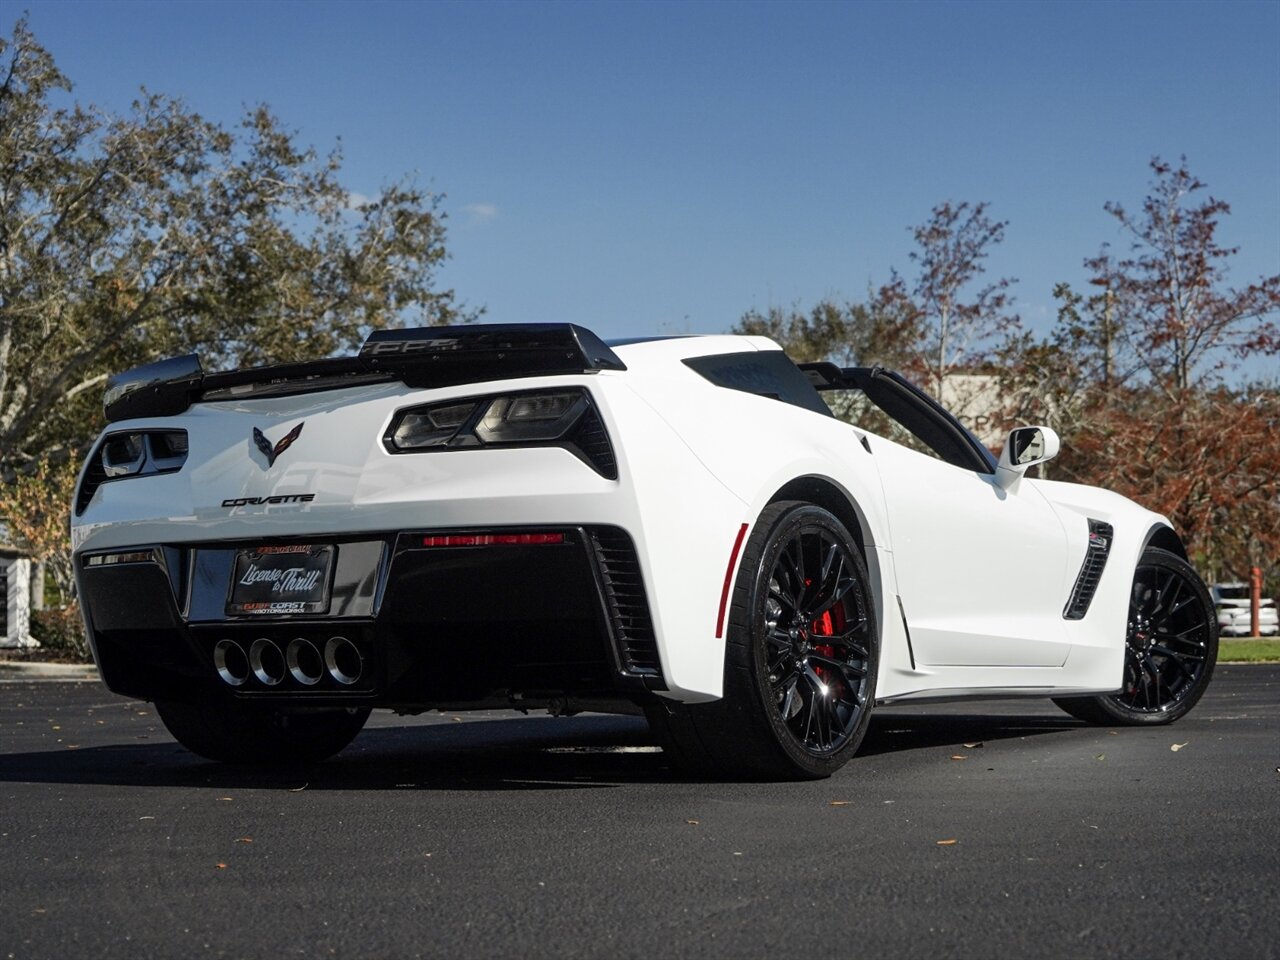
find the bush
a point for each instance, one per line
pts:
(60, 631)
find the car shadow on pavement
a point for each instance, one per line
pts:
(523, 753)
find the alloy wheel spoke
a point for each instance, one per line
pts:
(789, 699)
(826, 602)
(1175, 659)
(848, 669)
(1165, 605)
(820, 599)
(1174, 655)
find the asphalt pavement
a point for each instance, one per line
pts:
(966, 830)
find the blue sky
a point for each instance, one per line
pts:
(663, 167)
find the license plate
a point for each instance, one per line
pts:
(281, 579)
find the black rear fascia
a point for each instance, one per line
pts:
(418, 357)
(154, 623)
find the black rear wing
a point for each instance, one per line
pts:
(418, 357)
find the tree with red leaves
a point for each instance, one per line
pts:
(1133, 378)
(1171, 291)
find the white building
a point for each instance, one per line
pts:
(15, 588)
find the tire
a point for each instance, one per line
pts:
(794, 707)
(231, 731)
(1171, 647)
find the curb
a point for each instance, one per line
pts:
(35, 670)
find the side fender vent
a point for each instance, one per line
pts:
(1095, 559)
(628, 605)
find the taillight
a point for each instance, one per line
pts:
(533, 417)
(563, 418)
(132, 454)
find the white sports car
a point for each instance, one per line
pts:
(523, 516)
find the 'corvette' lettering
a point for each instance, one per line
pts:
(280, 498)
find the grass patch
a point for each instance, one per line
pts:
(1249, 650)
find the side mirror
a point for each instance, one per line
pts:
(1027, 446)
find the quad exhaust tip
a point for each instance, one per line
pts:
(267, 662)
(231, 663)
(343, 661)
(301, 659)
(304, 662)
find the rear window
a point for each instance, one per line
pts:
(769, 373)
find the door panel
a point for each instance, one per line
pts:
(982, 570)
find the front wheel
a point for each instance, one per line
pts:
(800, 657)
(232, 731)
(1171, 646)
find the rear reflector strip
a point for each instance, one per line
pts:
(728, 579)
(492, 539)
(107, 559)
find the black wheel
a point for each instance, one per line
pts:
(232, 731)
(800, 657)
(1170, 647)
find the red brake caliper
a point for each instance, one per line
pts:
(829, 624)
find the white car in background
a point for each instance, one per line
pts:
(1235, 611)
(523, 516)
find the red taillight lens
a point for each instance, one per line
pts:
(492, 539)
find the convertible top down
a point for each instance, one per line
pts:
(752, 552)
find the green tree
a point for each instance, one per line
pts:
(124, 238)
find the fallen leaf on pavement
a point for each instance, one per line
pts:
(839, 803)
(693, 823)
(299, 789)
(221, 866)
(224, 798)
(146, 818)
(947, 843)
(959, 756)
(244, 839)
(1101, 756)
(973, 746)
(1178, 746)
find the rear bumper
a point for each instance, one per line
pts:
(434, 626)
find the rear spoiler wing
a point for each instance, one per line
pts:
(418, 357)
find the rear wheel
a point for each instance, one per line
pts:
(1171, 646)
(232, 731)
(800, 657)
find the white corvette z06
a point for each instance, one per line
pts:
(523, 516)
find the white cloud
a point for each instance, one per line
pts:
(480, 212)
(355, 200)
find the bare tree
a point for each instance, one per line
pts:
(960, 316)
(1171, 290)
